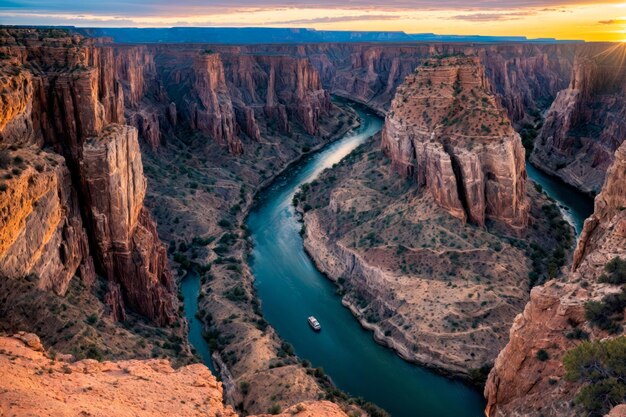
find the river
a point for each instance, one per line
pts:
(291, 289)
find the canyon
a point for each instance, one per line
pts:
(405, 237)
(520, 383)
(108, 150)
(586, 123)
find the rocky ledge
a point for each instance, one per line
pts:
(50, 384)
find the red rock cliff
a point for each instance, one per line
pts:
(447, 131)
(71, 100)
(213, 114)
(521, 384)
(587, 121)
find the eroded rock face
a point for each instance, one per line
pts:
(214, 114)
(519, 383)
(36, 384)
(41, 230)
(65, 388)
(71, 101)
(278, 85)
(129, 251)
(445, 130)
(587, 121)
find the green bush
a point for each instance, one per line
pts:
(616, 269)
(608, 313)
(601, 367)
(542, 355)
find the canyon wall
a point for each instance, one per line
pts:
(84, 201)
(524, 383)
(587, 121)
(448, 132)
(229, 91)
(223, 93)
(526, 77)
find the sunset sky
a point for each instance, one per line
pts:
(591, 21)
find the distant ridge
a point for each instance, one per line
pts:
(252, 35)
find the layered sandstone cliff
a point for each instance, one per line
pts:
(41, 229)
(587, 121)
(70, 100)
(445, 130)
(43, 384)
(522, 384)
(213, 114)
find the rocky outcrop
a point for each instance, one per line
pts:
(213, 114)
(36, 383)
(446, 131)
(520, 383)
(72, 100)
(128, 249)
(587, 121)
(41, 229)
(42, 384)
(280, 87)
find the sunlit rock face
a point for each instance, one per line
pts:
(521, 384)
(448, 132)
(587, 121)
(81, 199)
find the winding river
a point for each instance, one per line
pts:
(291, 289)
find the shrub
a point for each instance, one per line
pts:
(616, 269)
(92, 319)
(601, 367)
(274, 409)
(224, 223)
(244, 386)
(607, 314)
(237, 293)
(542, 355)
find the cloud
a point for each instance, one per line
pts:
(135, 8)
(490, 17)
(337, 19)
(613, 22)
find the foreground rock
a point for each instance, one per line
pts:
(587, 121)
(525, 383)
(448, 132)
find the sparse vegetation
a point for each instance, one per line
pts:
(601, 367)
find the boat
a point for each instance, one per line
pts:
(315, 325)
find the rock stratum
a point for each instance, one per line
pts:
(587, 121)
(520, 384)
(37, 383)
(75, 207)
(448, 132)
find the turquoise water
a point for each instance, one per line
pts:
(190, 288)
(574, 205)
(291, 289)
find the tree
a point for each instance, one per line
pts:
(601, 367)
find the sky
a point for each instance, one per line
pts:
(603, 20)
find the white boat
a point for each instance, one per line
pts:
(315, 325)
